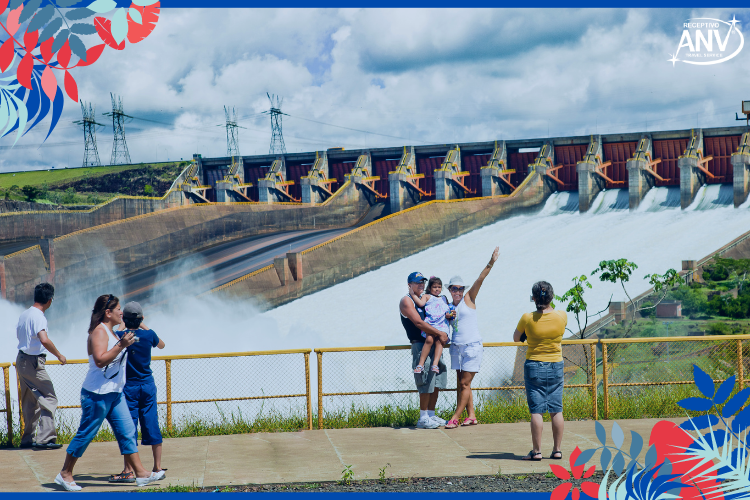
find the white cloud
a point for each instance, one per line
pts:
(424, 75)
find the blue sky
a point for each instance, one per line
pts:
(422, 75)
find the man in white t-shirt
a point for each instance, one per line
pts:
(38, 400)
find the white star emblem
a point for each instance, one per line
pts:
(734, 21)
(673, 60)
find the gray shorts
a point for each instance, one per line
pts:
(427, 381)
(544, 386)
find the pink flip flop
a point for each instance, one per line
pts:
(470, 421)
(451, 424)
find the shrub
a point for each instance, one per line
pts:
(69, 197)
(148, 190)
(30, 192)
(719, 328)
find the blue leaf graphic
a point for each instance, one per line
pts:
(725, 389)
(20, 92)
(45, 104)
(618, 464)
(60, 40)
(78, 14)
(41, 18)
(636, 444)
(585, 456)
(734, 404)
(605, 458)
(628, 481)
(742, 420)
(57, 107)
(51, 29)
(696, 404)
(666, 467)
(601, 432)
(617, 435)
(701, 422)
(32, 103)
(28, 10)
(651, 456)
(704, 382)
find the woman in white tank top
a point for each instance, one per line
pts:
(466, 345)
(101, 394)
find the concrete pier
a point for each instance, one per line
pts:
(316, 185)
(273, 188)
(591, 179)
(404, 189)
(741, 170)
(449, 179)
(495, 175)
(233, 187)
(641, 176)
(693, 172)
(544, 165)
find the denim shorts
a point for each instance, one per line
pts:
(544, 385)
(428, 380)
(141, 399)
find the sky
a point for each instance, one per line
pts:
(398, 77)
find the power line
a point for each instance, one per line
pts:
(277, 138)
(120, 153)
(90, 153)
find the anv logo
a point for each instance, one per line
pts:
(708, 41)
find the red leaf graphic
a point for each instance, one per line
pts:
(63, 55)
(24, 71)
(71, 87)
(590, 472)
(6, 54)
(576, 494)
(46, 49)
(92, 55)
(560, 472)
(3, 5)
(576, 470)
(11, 24)
(149, 16)
(104, 29)
(49, 83)
(591, 489)
(561, 492)
(30, 39)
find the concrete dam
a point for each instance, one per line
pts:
(279, 228)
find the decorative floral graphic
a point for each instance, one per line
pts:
(42, 39)
(682, 461)
(591, 489)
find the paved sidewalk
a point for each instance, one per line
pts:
(318, 455)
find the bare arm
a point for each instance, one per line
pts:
(47, 343)
(517, 336)
(161, 344)
(474, 290)
(410, 312)
(98, 346)
(421, 302)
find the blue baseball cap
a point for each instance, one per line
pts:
(416, 278)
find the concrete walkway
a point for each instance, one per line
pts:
(318, 455)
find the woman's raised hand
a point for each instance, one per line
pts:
(495, 256)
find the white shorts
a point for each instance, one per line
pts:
(466, 357)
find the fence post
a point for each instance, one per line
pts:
(594, 395)
(8, 413)
(168, 363)
(307, 391)
(20, 407)
(605, 381)
(320, 390)
(740, 365)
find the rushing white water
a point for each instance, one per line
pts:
(554, 244)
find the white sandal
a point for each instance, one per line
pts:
(419, 369)
(71, 486)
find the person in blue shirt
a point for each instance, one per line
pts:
(140, 389)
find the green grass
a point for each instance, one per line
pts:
(56, 176)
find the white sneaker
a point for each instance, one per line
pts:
(143, 481)
(161, 474)
(71, 486)
(439, 420)
(427, 423)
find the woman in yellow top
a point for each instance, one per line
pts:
(543, 369)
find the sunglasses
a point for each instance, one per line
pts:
(109, 300)
(456, 288)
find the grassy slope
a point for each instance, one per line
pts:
(52, 177)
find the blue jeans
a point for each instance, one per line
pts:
(141, 400)
(95, 408)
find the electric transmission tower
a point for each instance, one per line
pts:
(120, 154)
(277, 139)
(233, 144)
(91, 154)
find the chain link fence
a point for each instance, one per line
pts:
(6, 424)
(233, 392)
(644, 378)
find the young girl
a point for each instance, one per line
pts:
(437, 314)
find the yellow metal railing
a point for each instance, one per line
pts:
(7, 410)
(234, 372)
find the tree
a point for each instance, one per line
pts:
(69, 197)
(620, 270)
(30, 192)
(148, 190)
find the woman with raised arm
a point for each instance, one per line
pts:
(101, 394)
(543, 369)
(466, 345)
